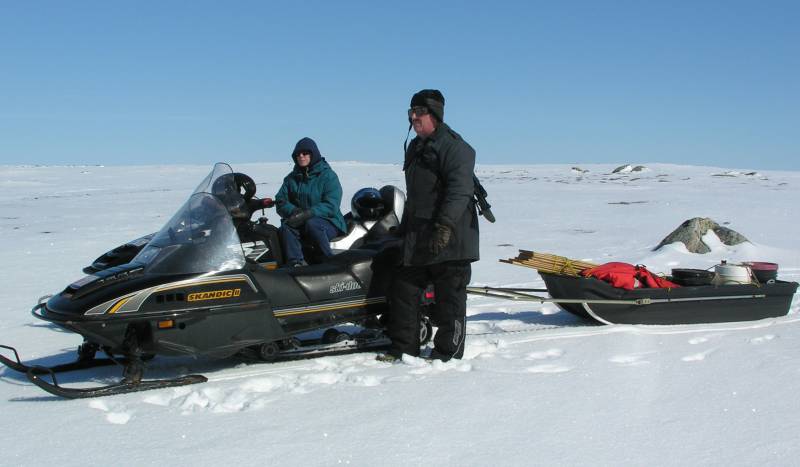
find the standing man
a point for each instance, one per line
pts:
(308, 203)
(440, 233)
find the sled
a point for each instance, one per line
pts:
(597, 300)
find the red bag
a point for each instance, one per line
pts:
(627, 276)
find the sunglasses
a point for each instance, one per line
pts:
(418, 110)
(304, 153)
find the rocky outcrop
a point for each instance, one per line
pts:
(627, 168)
(691, 232)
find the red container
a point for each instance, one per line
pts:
(762, 266)
(764, 272)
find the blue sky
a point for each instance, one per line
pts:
(158, 82)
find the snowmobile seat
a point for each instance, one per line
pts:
(348, 270)
(339, 262)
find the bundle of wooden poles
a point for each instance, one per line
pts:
(549, 263)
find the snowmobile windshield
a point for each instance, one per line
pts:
(201, 236)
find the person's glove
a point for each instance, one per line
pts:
(299, 217)
(440, 238)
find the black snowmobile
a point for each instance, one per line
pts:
(213, 283)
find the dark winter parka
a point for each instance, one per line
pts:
(315, 187)
(439, 181)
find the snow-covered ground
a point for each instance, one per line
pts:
(536, 387)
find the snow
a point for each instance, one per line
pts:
(537, 386)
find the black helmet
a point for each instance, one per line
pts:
(234, 190)
(367, 204)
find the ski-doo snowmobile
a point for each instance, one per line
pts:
(213, 283)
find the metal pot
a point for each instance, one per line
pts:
(732, 274)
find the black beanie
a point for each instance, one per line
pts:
(432, 99)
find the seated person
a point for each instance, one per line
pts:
(308, 203)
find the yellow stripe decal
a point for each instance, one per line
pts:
(134, 301)
(118, 305)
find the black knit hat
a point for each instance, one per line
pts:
(432, 99)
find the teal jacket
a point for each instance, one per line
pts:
(316, 188)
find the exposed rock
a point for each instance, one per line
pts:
(736, 173)
(691, 232)
(627, 168)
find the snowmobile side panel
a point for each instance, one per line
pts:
(280, 288)
(313, 316)
(218, 332)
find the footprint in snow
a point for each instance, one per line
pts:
(366, 381)
(703, 339)
(548, 368)
(117, 416)
(165, 398)
(629, 360)
(697, 357)
(545, 354)
(325, 378)
(762, 339)
(482, 348)
(98, 405)
(420, 366)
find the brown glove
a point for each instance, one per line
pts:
(440, 238)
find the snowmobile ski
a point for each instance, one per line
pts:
(124, 387)
(79, 364)
(304, 351)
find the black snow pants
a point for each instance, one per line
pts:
(449, 314)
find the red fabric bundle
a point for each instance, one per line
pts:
(627, 276)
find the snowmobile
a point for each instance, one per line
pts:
(213, 283)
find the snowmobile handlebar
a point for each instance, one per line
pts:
(256, 204)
